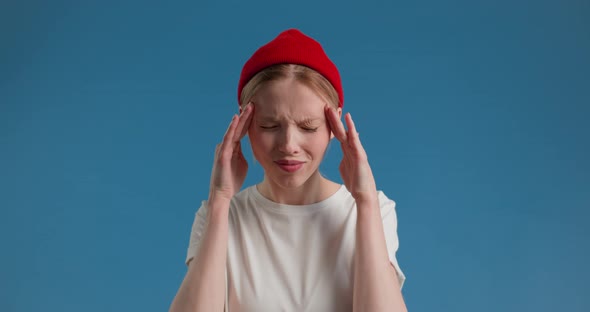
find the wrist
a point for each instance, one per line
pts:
(217, 208)
(368, 203)
(367, 198)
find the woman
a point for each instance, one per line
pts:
(296, 241)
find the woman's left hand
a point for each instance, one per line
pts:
(354, 167)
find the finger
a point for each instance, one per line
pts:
(353, 135)
(229, 134)
(245, 120)
(217, 148)
(237, 148)
(336, 124)
(328, 119)
(241, 120)
(229, 126)
(347, 153)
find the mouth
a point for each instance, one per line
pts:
(289, 165)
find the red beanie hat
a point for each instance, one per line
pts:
(292, 47)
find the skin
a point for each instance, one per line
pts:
(295, 109)
(290, 123)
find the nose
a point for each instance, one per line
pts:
(288, 141)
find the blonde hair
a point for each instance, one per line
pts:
(309, 77)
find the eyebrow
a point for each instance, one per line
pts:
(303, 121)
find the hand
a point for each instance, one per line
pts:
(354, 167)
(230, 166)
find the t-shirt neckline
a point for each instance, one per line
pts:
(270, 205)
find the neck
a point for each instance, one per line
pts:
(315, 189)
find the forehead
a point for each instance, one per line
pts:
(288, 98)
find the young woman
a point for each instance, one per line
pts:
(296, 241)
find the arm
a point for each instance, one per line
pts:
(375, 280)
(203, 287)
(376, 286)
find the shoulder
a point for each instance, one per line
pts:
(386, 204)
(242, 197)
(243, 202)
(385, 201)
(239, 200)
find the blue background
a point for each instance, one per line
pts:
(474, 115)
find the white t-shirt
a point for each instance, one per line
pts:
(293, 258)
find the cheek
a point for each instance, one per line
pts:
(259, 141)
(324, 134)
(318, 141)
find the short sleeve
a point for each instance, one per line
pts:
(389, 218)
(197, 232)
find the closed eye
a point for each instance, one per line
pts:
(306, 129)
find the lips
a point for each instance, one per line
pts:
(289, 165)
(288, 162)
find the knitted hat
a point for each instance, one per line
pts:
(292, 47)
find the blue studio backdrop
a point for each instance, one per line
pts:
(474, 115)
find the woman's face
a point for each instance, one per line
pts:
(289, 133)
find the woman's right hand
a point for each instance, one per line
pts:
(230, 166)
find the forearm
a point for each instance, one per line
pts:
(376, 287)
(203, 288)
